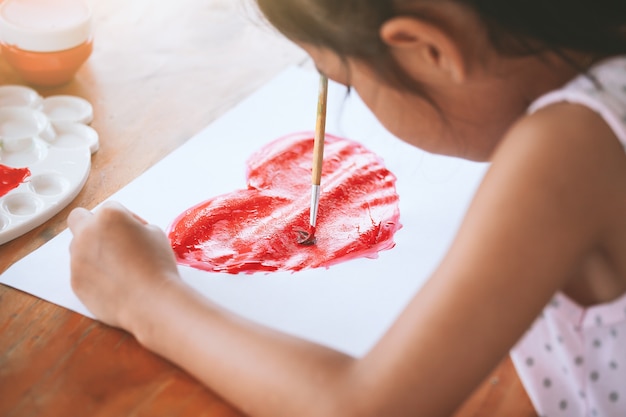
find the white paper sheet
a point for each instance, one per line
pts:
(348, 306)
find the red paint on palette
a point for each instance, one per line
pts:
(11, 178)
(256, 229)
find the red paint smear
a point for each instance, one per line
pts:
(11, 178)
(256, 229)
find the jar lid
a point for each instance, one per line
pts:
(44, 25)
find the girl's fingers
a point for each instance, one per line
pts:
(77, 217)
(140, 219)
(120, 207)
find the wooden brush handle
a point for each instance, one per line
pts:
(320, 129)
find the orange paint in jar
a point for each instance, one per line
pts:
(45, 41)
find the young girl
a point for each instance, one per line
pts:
(538, 268)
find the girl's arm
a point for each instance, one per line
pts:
(533, 220)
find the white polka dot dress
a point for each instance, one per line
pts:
(572, 361)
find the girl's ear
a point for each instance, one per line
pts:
(430, 43)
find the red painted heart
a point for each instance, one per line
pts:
(256, 229)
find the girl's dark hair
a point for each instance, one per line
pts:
(515, 27)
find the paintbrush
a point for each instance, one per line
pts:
(308, 238)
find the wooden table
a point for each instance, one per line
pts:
(160, 72)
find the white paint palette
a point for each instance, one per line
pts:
(51, 137)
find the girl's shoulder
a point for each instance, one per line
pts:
(582, 115)
(602, 89)
(567, 155)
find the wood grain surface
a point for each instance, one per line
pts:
(159, 73)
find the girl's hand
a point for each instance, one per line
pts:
(119, 263)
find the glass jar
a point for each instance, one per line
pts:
(46, 41)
